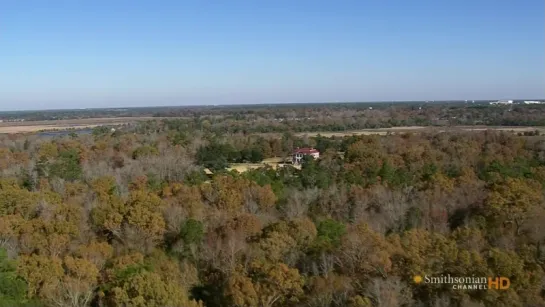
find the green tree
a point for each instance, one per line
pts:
(144, 151)
(329, 235)
(13, 289)
(215, 156)
(67, 166)
(155, 282)
(192, 231)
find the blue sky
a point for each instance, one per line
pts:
(75, 54)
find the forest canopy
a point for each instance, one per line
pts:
(152, 215)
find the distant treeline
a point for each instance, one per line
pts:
(320, 116)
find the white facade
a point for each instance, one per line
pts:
(299, 154)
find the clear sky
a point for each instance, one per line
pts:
(97, 53)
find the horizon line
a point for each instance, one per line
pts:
(272, 104)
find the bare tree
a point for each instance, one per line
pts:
(389, 292)
(298, 202)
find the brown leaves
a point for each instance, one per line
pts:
(365, 253)
(264, 197)
(140, 217)
(182, 202)
(10, 226)
(64, 283)
(276, 244)
(422, 252)
(14, 200)
(104, 187)
(48, 150)
(328, 290)
(96, 252)
(42, 273)
(109, 215)
(246, 224)
(265, 284)
(276, 283)
(241, 290)
(37, 221)
(147, 289)
(228, 194)
(80, 270)
(144, 213)
(157, 282)
(237, 195)
(512, 200)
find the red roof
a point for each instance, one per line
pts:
(306, 151)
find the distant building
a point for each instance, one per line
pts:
(502, 102)
(299, 153)
(532, 102)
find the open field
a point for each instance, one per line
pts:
(35, 126)
(85, 123)
(385, 131)
(510, 129)
(38, 128)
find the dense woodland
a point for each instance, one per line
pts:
(129, 218)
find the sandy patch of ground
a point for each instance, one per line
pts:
(244, 167)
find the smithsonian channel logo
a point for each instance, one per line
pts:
(466, 282)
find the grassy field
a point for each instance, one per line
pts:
(385, 131)
(35, 126)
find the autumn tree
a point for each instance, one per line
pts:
(135, 281)
(365, 253)
(265, 284)
(511, 202)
